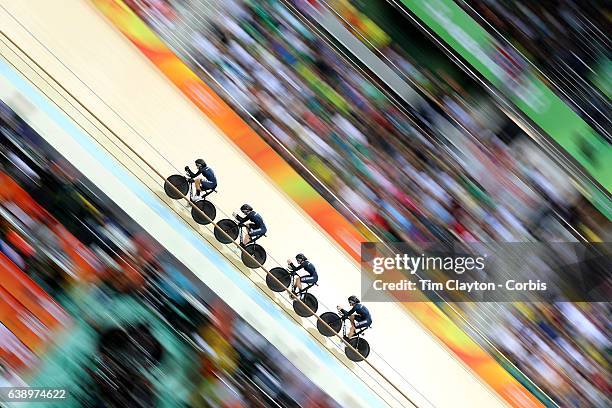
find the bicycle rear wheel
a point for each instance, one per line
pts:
(180, 182)
(333, 321)
(362, 347)
(257, 252)
(310, 306)
(207, 208)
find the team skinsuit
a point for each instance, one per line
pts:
(362, 315)
(208, 180)
(257, 228)
(312, 276)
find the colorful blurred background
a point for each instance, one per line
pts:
(417, 121)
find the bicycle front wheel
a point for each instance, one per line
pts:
(180, 183)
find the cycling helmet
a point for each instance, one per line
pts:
(200, 163)
(246, 208)
(353, 299)
(300, 258)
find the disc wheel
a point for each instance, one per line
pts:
(230, 228)
(362, 347)
(333, 321)
(256, 251)
(207, 208)
(310, 306)
(178, 181)
(282, 275)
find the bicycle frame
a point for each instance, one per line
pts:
(193, 191)
(241, 226)
(191, 188)
(358, 331)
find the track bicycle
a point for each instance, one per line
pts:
(186, 188)
(337, 321)
(309, 303)
(228, 230)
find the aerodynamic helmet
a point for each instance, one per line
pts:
(200, 163)
(300, 257)
(353, 299)
(246, 208)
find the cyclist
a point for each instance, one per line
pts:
(305, 264)
(359, 315)
(204, 177)
(255, 225)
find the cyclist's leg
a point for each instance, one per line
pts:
(255, 233)
(360, 324)
(206, 185)
(363, 323)
(297, 283)
(198, 185)
(352, 329)
(308, 279)
(246, 235)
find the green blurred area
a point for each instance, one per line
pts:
(65, 365)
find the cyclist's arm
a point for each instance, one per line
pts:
(191, 173)
(296, 267)
(350, 312)
(248, 217)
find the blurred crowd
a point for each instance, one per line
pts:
(564, 347)
(439, 171)
(566, 39)
(138, 329)
(395, 169)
